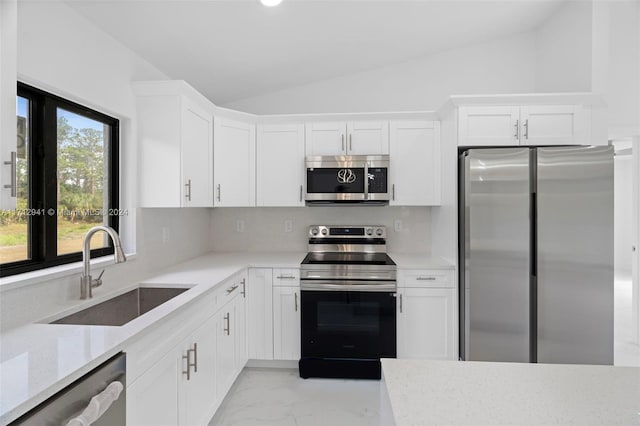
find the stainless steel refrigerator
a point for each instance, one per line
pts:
(536, 254)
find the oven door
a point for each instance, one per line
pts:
(348, 324)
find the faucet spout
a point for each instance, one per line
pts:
(87, 283)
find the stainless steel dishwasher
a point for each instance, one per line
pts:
(73, 400)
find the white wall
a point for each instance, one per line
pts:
(563, 50)
(59, 51)
(624, 67)
(501, 66)
(264, 226)
(623, 204)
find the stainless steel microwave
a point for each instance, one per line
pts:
(347, 179)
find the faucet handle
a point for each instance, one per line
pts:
(98, 281)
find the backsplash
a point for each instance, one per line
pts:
(263, 228)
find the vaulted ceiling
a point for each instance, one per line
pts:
(234, 49)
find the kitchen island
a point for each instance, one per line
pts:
(424, 392)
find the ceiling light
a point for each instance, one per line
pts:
(270, 3)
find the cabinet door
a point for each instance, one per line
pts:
(197, 393)
(415, 163)
(234, 163)
(260, 313)
(225, 349)
(286, 323)
(488, 125)
(152, 400)
(325, 138)
(425, 323)
(197, 157)
(554, 125)
(240, 328)
(280, 165)
(367, 138)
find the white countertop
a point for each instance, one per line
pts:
(37, 360)
(422, 392)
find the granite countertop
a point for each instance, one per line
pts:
(425, 392)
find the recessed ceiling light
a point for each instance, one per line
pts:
(270, 3)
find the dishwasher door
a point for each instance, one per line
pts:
(72, 400)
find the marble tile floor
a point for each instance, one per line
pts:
(279, 397)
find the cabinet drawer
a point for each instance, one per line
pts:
(427, 278)
(286, 277)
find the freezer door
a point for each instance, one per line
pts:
(496, 249)
(575, 255)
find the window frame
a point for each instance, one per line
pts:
(42, 166)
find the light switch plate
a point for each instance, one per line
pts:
(166, 234)
(288, 225)
(240, 226)
(397, 225)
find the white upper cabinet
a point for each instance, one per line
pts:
(175, 139)
(490, 125)
(415, 163)
(280, 165)
(234, 154)
(524, 125)
(367, 137)
(347, 138)
(554, 125)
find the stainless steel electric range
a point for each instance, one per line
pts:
(348, 303)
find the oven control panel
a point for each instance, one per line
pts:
(347, 231)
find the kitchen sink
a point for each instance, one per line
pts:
(123, 308)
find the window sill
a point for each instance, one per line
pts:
(36, 277)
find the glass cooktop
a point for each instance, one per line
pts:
(341, 258)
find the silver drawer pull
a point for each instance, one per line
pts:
(232, 289)
(426, 278)
(98, 405)
(286, 277)
(227, 319)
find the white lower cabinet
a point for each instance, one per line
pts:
(197, 390)
(260, 313)
(425, 307)
(186, 385)
(286, 323)
(152, 400)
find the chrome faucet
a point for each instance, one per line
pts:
(86, 282)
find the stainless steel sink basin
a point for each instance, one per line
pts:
(123, 308)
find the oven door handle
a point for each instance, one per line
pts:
(370, 286)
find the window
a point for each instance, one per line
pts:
(66, 181)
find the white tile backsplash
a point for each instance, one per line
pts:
(264, 227)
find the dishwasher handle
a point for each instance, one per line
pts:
(98, 405)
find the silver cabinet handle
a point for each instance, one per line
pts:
(426, 278)
(218, 189)
(244, 287)
(342, 138)
(350, 143)
(296, 301)
(232, 289)
(300, 193)
(188, 185)
(400, 302)
(13, 185)
(195, 358)
(187, 357)
(228, 327)
(393, 192)
(526, 128)
(517, 135)
(286, 277)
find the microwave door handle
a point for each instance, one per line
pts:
(366, 180)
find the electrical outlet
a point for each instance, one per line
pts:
(397, 225)
(166, 235)
(240, 226)
(288, 225)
